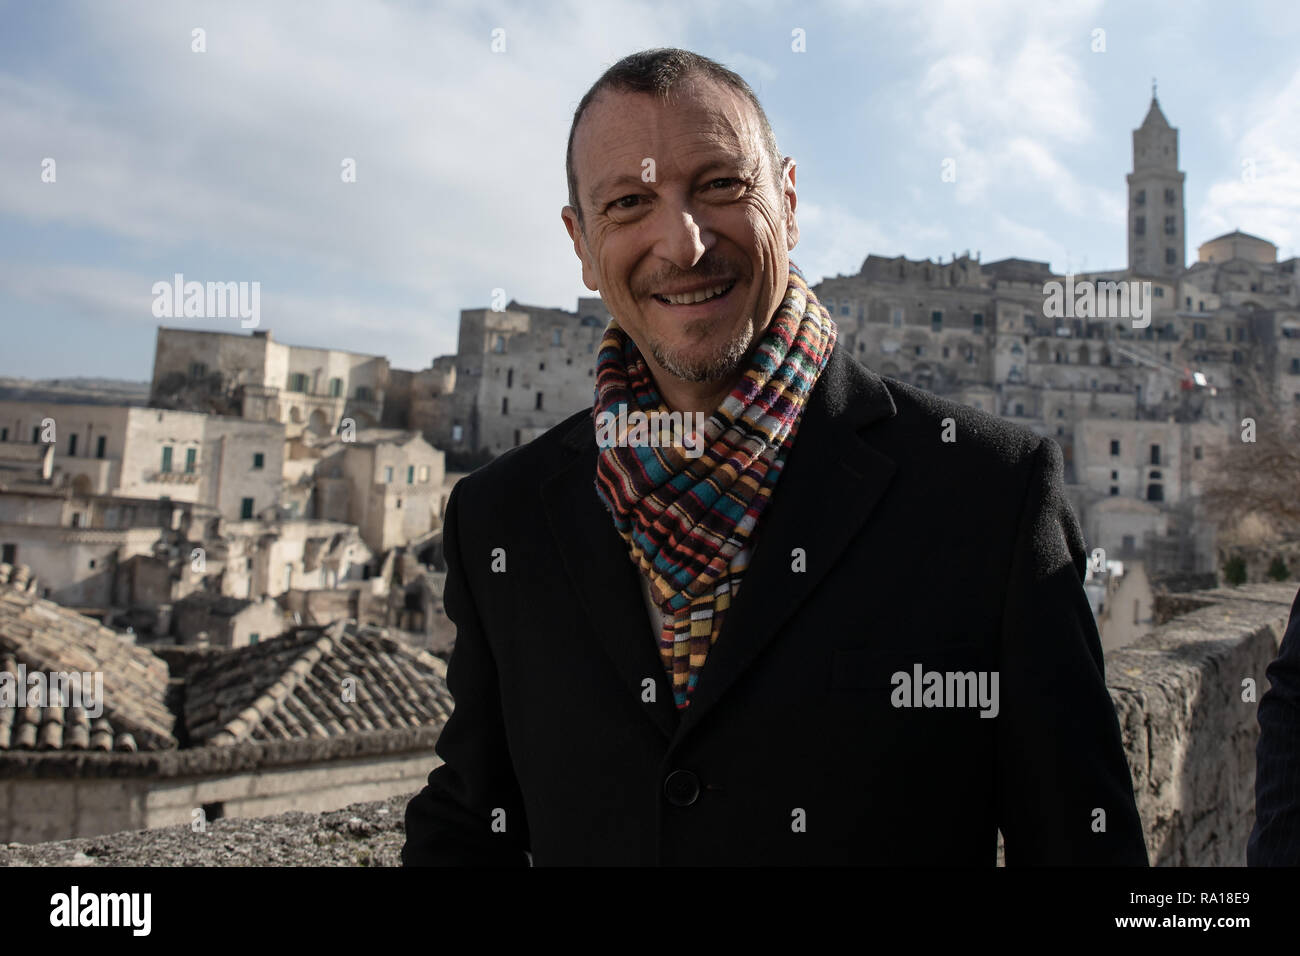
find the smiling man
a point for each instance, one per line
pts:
(821, 591)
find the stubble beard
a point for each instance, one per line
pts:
(724, 363)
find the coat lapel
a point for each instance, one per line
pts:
(830, 484)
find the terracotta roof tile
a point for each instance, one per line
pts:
(38, 636)
(293, 687)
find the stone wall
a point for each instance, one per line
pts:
(1189, 736)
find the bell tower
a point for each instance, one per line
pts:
(1157, 241)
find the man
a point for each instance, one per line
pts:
(883, 657)
(1275, 838)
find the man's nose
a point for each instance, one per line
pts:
(682, 240)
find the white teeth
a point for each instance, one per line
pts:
(690, 298)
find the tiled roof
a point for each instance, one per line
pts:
(292, 687)
(40, 636)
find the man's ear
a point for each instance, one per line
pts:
(791, 200)
(570, 217)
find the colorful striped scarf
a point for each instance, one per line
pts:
(688, 521)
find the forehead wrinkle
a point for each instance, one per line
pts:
(725, 130)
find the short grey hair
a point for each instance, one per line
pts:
(659, 72)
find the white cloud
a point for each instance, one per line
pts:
(1268, 206)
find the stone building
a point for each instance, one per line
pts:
(1157, 219)
(259, 379)
(517, 373)
(125, 451)
(387, 482)
(312, 721)
(86, 551)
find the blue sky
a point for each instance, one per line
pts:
(225, 165)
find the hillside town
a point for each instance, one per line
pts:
(260, 535)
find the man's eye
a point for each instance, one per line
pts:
(728, 182)
(618, 203)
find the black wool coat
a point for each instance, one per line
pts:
(884, 549)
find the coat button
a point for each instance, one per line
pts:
(682, 788)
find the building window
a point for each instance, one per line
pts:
(538, 405)
(100, 445)
(364, 394)
(198, 370)
(1020, 409)
(167, 458)
(1114, 490)
(191, 458)
(336, 388)
(1141, 199)
(896, 317)
(4, 434)
(297, 382)
(977, 322)
(1114, 476)
(1155, 454)
(510, 378)
(1295, 366)
(410, 476)
(288, 576)
(76, 519)
(246, 508)
(72, 446)
(1169, 196)
(1196, 452)
(1114, 446)
(844, 308)
(936, 321)
(505, 405)
(1159, 291)
(500, 345)
(36, 434)
(1171, 226)
(254, 638)
(259, 460)
(457, 431)
(541, 366)
(424, 473)
(1140, 226)
(1171, 257)
(388, 474)
(1155, 492)
(1198, 330)
(557, 336)
(9, 553)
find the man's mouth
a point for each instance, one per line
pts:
(698, 297)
